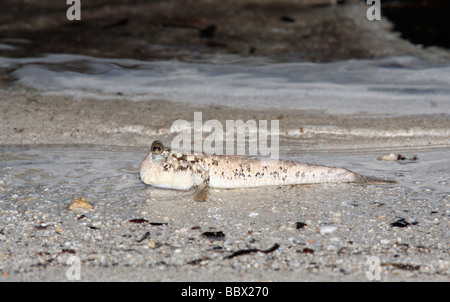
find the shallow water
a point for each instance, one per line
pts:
(62, 173)
(394, 86)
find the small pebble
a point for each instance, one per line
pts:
(300, 225)
(80, 203)
(325, 229)
(390, 157)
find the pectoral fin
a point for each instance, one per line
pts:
(201, 193)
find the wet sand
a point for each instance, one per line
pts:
(55, 149)
(32, 117)
(316, 232)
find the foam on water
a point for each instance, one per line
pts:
(398, 85)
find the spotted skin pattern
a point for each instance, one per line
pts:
(182, 171)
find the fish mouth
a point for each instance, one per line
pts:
(145, 179)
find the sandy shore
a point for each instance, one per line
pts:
(56, 149)
(31, 117)
(134, 232)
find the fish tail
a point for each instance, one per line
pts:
(372, 180)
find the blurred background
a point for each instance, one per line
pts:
(282, 30)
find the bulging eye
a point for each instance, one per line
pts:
(157, 148)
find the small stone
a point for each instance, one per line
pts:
(330, 247)
(97, 224)
(151, 244)
(307, 251)
(402, 223)
(300, 225)
(80, 204)
(325, 229)
(390, 157)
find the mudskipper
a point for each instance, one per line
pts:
(171, 169)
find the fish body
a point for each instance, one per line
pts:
(169, 169)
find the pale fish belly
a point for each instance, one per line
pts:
(256, 173)
(178, 180)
